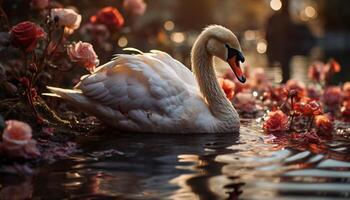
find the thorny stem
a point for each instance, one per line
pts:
(29, 91)
(46, 57)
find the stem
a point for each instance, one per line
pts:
(29, 91)
(311, 120)
(291, 122)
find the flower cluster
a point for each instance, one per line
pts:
(304, 113)
(39, 51)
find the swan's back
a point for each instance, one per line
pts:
(146, 92)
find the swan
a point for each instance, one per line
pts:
(152, 92)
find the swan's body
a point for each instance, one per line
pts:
(152, 92)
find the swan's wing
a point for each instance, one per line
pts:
(181, 70)
(143, 91)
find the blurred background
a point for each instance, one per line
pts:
(278, 35)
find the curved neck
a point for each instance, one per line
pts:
(202, 66)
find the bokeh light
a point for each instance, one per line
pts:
(275, 4)
(261, 47)
(122, 41)
(178, 37)
(169, 25)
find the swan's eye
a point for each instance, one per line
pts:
(234, 52)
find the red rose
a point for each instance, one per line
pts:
(108, 16)
(25, 35)
(324, 124)
(308, 107)
(276, 121)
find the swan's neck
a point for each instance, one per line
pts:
(202, 64)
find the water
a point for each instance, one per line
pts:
(212, 166)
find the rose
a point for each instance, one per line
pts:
(108, 16)
(135, 7)
(245, 102)
(16, 132)
(17, 140)
(324, 124)
(84, 54)
(308, 107)
(40, 4)
(26, 35)
(67, 18)
(228, 86)
(332, 96)
(275, 121)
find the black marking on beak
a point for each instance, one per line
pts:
(234, 52)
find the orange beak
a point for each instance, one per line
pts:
(236, 68)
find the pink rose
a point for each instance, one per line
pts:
(245, 102)
(84, 54)
(135, 7)
(67, 18)
(17, 140)
(40, 4)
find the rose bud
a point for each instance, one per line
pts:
(135, 7)
(276, 121)
(26, 35)
(84, 54)
(110, 17)
(17, 140)
(66, 18)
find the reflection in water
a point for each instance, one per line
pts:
(214, 166)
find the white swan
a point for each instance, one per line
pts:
(152, 92)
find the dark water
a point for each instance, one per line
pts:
(213, 166)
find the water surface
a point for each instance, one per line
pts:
(211, 166)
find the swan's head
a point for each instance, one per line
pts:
(223, 44)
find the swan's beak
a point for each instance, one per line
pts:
(236, 68)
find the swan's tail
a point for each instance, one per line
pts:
(74, 96)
